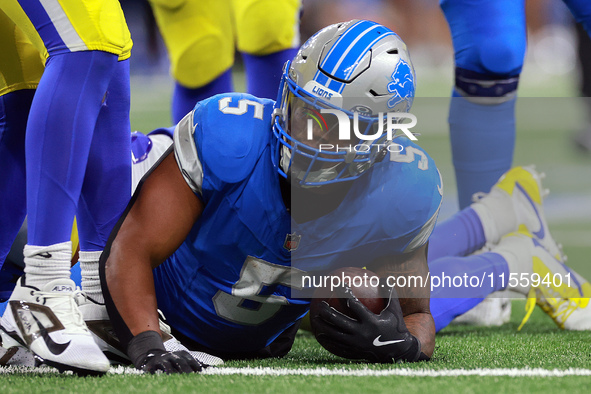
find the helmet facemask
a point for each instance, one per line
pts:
(312, 149)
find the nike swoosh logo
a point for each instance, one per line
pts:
(377, 342)
(540, 234)
(46, 255)
(54, 347)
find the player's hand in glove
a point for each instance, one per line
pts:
(170, 362)
(381, 338)
(147, 352)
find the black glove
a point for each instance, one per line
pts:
(147, 353)
(381, 338)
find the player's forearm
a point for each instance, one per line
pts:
(131, 286)
(161, 214)
(422, 326)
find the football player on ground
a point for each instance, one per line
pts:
(77, 162)
(219, 289)
(221, 231)
(202, 37)
(451, 244)
(208, 237)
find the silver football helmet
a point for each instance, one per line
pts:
(335, 101)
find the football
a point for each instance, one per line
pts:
(365, 286)
(363, 283)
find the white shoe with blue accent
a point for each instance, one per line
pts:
(545, 281)
(515, 204)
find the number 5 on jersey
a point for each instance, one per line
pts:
(256, 274)
(224, 106)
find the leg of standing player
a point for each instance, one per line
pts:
(96, 215)
(267, 35)
(83, 43)
(145, 151)
(14, 108)
(489, 41)
(199, 37)
(582, 12)
(20, 71)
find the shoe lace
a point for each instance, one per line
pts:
(65, 308)
(559, 309)
(80, 297)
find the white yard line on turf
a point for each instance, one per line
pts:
(511, 372)
(249, 371)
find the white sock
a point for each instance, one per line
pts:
(497, 215)
(46, 263)
(91, 281)
(519, 259)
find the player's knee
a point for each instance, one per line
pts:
(202, 61)
(267, 26)
(501, 55)
(490, 70)
(495, 76)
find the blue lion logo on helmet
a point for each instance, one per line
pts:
(402, 85)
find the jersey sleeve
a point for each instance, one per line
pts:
(218, 144)
(186, 154)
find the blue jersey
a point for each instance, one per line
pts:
(229, 285)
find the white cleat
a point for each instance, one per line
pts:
(562, 294)
(515, 204)
(580, 317)
(50, 324)
(547, 282)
